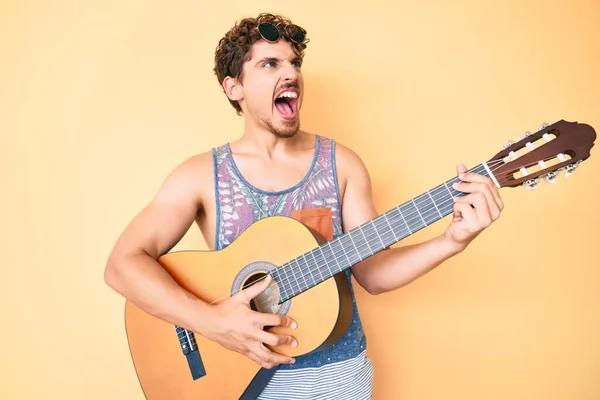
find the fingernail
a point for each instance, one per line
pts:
(294, 344)
(294, 325)
(293, 361)
(455, 185)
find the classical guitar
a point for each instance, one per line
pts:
(308, 282)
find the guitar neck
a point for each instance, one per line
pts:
(367, 239)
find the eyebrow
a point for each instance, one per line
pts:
(272, 59)
(267, 59)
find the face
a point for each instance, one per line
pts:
(271, 90)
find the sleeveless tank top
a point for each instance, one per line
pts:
(240, 204)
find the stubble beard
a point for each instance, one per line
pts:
(287, 129)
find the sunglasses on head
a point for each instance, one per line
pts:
(272, 33)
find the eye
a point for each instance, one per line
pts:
(270, 64)
(297, 63)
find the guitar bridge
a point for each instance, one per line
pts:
(187, 341)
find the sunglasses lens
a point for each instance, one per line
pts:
(268, 31)
(296, 33)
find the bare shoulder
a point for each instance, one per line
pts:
(347, 157)
(171, 211)
(191, 176)
(197, 164)
(350, 166)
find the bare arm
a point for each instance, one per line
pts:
(133, 271)
(395, 267)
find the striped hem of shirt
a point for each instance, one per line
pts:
(348, 379)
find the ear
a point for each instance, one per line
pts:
(232, 88)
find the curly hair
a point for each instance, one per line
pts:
(235, 48)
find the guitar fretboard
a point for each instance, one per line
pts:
(360, 243)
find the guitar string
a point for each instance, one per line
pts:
(494, 165)
(374, 233)
(295, 276)
(295, 273)
(408, 216)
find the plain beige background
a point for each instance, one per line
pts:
(99, 100)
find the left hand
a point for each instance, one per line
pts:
(474, 211)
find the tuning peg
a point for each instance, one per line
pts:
(507, 145)
(551, 177)
(544, 125)
(530, 184)
(525, 135)
(569, 170)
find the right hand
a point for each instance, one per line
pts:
(237, 327)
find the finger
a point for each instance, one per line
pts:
(474, 177)
(246, 295)
(277, 320)
(275, 339)
(254, 357)
(465, 175)
(491, 186)
(497, 197)
(480, 188)
(480, 210)
(466, 211)
(492, 207)
(272, 358)
(457, 215)
(492, 192)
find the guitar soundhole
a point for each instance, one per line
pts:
(266, 301)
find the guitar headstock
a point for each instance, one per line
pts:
(561, 146)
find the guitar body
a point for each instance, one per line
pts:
(323, 313)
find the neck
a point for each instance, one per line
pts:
(367, 239)
(258, 139)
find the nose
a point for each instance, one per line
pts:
(289, 72)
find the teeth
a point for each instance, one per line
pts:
(292, 95)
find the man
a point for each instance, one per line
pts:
(275, 168)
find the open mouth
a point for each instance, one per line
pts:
(287, 104)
